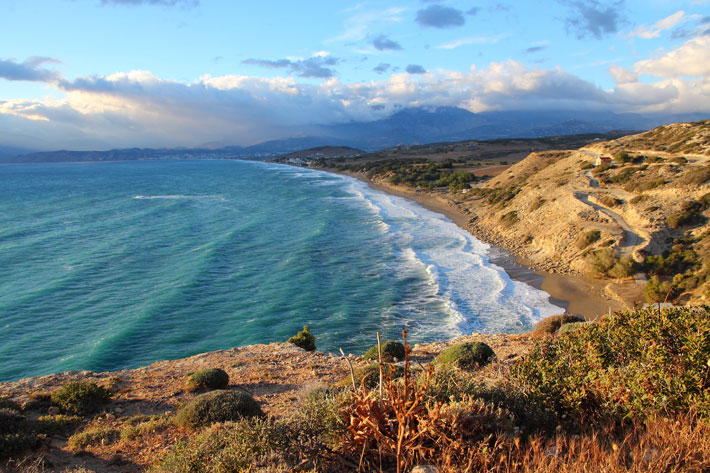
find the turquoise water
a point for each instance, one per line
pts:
(116, 265)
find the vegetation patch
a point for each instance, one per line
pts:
(587, 238)
(466, 356)
(509, 219)
(81, 397)
(550, 325)
(391, 351)
(144, 426)
(627, 365)
(304, 339)
(209, 378)
(93, 436)
(217, 406)
(59, 424)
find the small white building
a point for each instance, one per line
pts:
(602, 160)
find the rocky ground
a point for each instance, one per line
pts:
(276, 375)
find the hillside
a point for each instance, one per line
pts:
(640, 223)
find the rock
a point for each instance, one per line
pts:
(53, 411)
(425, 469)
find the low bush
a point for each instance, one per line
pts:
(304, 339)
(391, 351)
(571, 327)
(586, 165)
(57, 424)
(38, 401)
(209, 378)
(81, 397)
(244, 445)
(609, 201)
(657, 290)
(7, 403)
(623, 268)
(142, 426)
(12, 443)
(92, 436)
(689, 214)
(317, 413)
(10, 420)
(587, 238)
(627, 365)
(450, 384)
(466, 356)
(537, 203)
(370, 375)
(217, 406)
(510, 218)
(550, 325)
(600, 262)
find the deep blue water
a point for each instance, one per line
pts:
(115, 265)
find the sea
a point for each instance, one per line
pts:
(106, 266)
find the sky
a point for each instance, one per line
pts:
(98, 74)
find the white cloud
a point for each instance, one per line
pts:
(471, 40)
(661, 25)
(692, 59)
(359, 24)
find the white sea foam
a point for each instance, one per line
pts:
(180, 196)
(480, 295)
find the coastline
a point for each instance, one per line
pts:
(575, 294)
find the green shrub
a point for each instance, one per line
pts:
(466, 356)
(599, 262)
(12, 443)
(231, 447)
(609, 201)
(539, 202)
(7, 403)
(217, 406)
(391, 351)
(450, 384)
(96, 435)
(586, 165)
(81, 397)
(571, 327)
(304, 339)
(209, 378)
(140, 426)
(509, 219)
(623, 268)
(370, 374)
(317, 413)
(629, 364)
(57, 425)
(586, 239)
(657, 290)
(550, 325)
(689, 214)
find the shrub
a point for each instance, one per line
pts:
(450, 384)
(550, 325)
(304, 339)
(630, 364)
(140, 426)
(537, 203)
(370, 375)
(609, 201)
(238, 446)
(10, 421)
(7, 403)
(599, 262)
(96, 435)
(209, 378)
(12, 443)
(466, 356)
(623, 268)
(391, 351)
(38, 401)
(689, 214)
(586, 239)
(217, 406)
(657, 290)
(586, 165)
(695, 176)
(317, 413)
(571, 327)
(509, 219)
(81, 397)
(57, 424)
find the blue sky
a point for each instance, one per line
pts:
(110, 73)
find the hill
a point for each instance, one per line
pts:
(640, 223)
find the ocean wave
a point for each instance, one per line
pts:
(181, 196)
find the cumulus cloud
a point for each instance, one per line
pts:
(661, 25)
(381, 68)
(593, 18)
(318, 66)
(29, 70)
(692, 59)
(415, 69)
(437, 16)
(165, 3)
(383, 43)
(138, 108)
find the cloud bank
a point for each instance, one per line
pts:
(138, 108)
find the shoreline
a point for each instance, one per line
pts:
(576, 295)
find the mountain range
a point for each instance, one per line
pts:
(409, 126)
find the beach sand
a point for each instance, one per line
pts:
(577, 295)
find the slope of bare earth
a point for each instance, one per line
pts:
(276, 375)
(542, 207)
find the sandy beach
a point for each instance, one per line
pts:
(577, 295)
